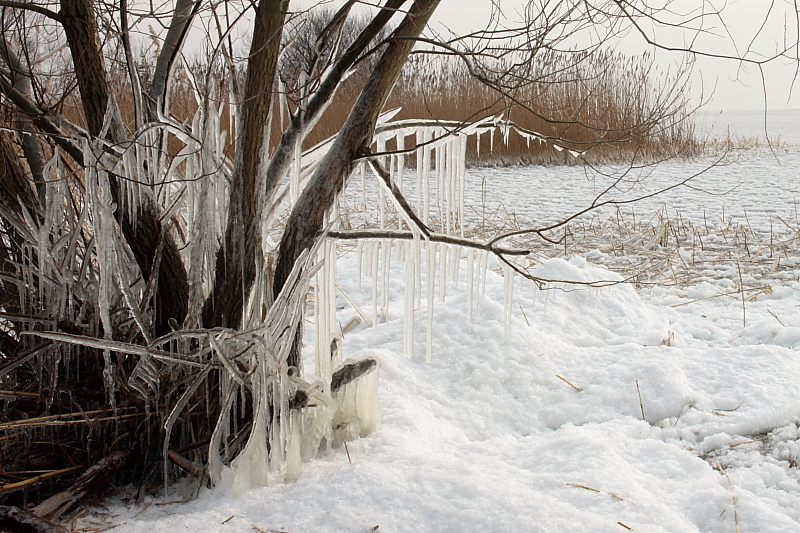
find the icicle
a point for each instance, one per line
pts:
(359, 261)
(363, 171)
(319, 339)
(408, 307)
(330, 286)
(282, 103)
(401, 159)
(455, 263)
(386, 249)
(367, 262)
(381, 142)
(375, 252)
(418, 272)
(462, 181)
(294, 184)
(491, 140)
(447, 185)
(470, 276)
(478, 144)
(430, 278)
(426, 182)
(439, 176)
(399, 253)
(251, 466)
(484, 267)
(443, 253)
(99, 194)
(293, 462)
(393, 170)
(321, 308)
(444, 180)
(508, 293)
(227, 395)
(420, 152)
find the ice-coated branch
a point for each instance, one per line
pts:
(396, 193)
(117, 346)
(52, 126)
(433, 237)
(185, 10)
(305, 117)
(307, 218)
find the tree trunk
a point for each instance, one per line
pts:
(306, 220)
(241, 253)
(80, 26)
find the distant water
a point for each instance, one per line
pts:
(783, 125)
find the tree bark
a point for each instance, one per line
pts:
(241, 253)
(80, 26)
(308, 216)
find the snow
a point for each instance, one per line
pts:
(528, 414)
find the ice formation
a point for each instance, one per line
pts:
(439, 194)
(359, 411)
(292, 418)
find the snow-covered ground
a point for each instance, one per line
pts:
(672, 408)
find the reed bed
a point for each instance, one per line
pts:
(665, 249)
(608, 106)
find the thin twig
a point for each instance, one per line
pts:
(525, 316)
(765, 437)
(741, 288)
(641, 404)
(584, 487)
(776, 317)
(734, 496)
(346, 449)
(569, 383)
(30, 481)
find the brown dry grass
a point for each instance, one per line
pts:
(609, 106)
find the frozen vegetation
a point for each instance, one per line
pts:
(668, 402)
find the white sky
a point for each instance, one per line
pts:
(734, 87)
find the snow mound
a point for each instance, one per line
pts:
(597, 308)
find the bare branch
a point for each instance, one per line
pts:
(30, 6)
(433, 237)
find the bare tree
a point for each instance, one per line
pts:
(138, 242)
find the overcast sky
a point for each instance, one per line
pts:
(735, 86)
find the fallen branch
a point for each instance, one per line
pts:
(95, 477)
(351, 371)
(184, 464)
(15, 519)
